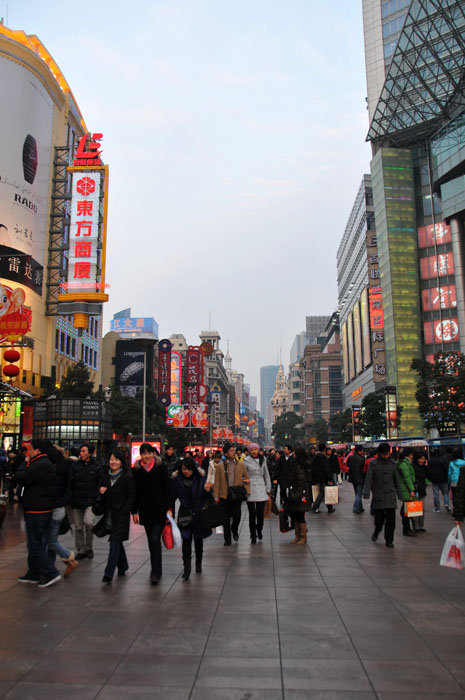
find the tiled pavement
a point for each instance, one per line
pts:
(341, 618)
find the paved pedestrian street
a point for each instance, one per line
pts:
(341, 618)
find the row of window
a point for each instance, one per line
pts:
(391, 6)
(66, 345)
(393, 26)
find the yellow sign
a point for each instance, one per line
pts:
(357, 392)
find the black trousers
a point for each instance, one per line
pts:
(256, 516)
(187, 551)
(233, 513)
(406, 525)
(386, 517)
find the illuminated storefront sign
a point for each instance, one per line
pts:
(176, 365)
(350, 345)
(375, 310)
(437, 266)
(357, 339)
(365, 322)
(357, 392)
(134, 325)
(194, 374)
(434, 235)
(446, 331)
(164, 372)
(439, 298)
(345, 355)
(15, 319)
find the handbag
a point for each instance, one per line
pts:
(91, 518)
(101, 528)
(412, 509)
(453, 552)
(285, 523)
(237, 494)
(212, 515)
(170, 534)
(185, 521)
(331, 495)
(65, 525)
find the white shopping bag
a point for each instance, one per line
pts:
(177, 539)
(331, 495)
(453, 552)
(219, 530)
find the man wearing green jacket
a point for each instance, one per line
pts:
(407, 487)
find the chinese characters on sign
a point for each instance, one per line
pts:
(439, 298)
(375, 310)
(437, 266)
(176, 365)
(15, 319)
(446, 331)
(85, 231)
(193, 377)
(434, 235)
(164, 372)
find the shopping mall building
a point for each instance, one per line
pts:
(41, 127)
(415, 62)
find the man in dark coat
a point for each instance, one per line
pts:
(84, 482)
(382, 479)
(40, 490)
(436, 471)
(171, 460)
(356, 462)
(284, 472)
(321, 476)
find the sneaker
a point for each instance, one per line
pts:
(448, 509)
(50, 581)
(27, 579)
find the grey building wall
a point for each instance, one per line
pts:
(267, 386)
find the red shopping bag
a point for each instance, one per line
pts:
(167, 536)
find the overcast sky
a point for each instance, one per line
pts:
(235, 135)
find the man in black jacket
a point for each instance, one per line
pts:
(84, 483)
(436, 471)
(39, 481)
(321, 476)
(284, 472)
(356, 463)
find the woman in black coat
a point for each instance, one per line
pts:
(189, 486)
(153, 500)
(118, 495)
(298, 494)
(420, 465)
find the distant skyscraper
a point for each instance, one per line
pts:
(314, 326)
(267, 387)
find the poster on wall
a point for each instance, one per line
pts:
(25, 147)
(15, 318)
(365, 322)
(357, 338)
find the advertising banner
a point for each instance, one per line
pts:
(164, 372)
(129, 371)
(176, 371)
(345, 355)
(350, 345)
(439, 298)
(25, 147)
(134, 325)
(446, 331)
(434, 235)
(357, 338)
(437, 266)
(194, 374)
(365, 323)
(15, 319)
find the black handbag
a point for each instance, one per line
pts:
(99, 506)
(64, 525)
(101, 529)
(213, 515)
(237, 494)
(185, 521)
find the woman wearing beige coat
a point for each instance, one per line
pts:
(231, 472)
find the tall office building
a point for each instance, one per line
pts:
(314, 326)
(267, 386)
(417, 133)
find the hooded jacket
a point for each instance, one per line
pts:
(454, 471)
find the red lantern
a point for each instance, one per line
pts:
(11, 355)
(11, 370)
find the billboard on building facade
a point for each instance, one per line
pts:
(25, 147)
(434, 234)
(437, 332)
(357, 338)
(436, 266)
(439, 298)
(134, 325)
(350, 345)
(365, 322)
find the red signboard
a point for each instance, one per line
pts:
(446, 331)
(437, 266)
(376, 308)
(434, 235)
(439, 298)
(164, 372)
(15, 319)
(193, 374)
(176, 373)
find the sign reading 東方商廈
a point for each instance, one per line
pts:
(85, 280)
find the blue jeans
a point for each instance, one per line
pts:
(116, 558)
(437, 489)
(153, 532)
(55, 547)
(38, 561)
(358, 489)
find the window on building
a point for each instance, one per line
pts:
(73, 347)
(68, 345)
(57, 339)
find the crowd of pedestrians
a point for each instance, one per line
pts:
(58, 491)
